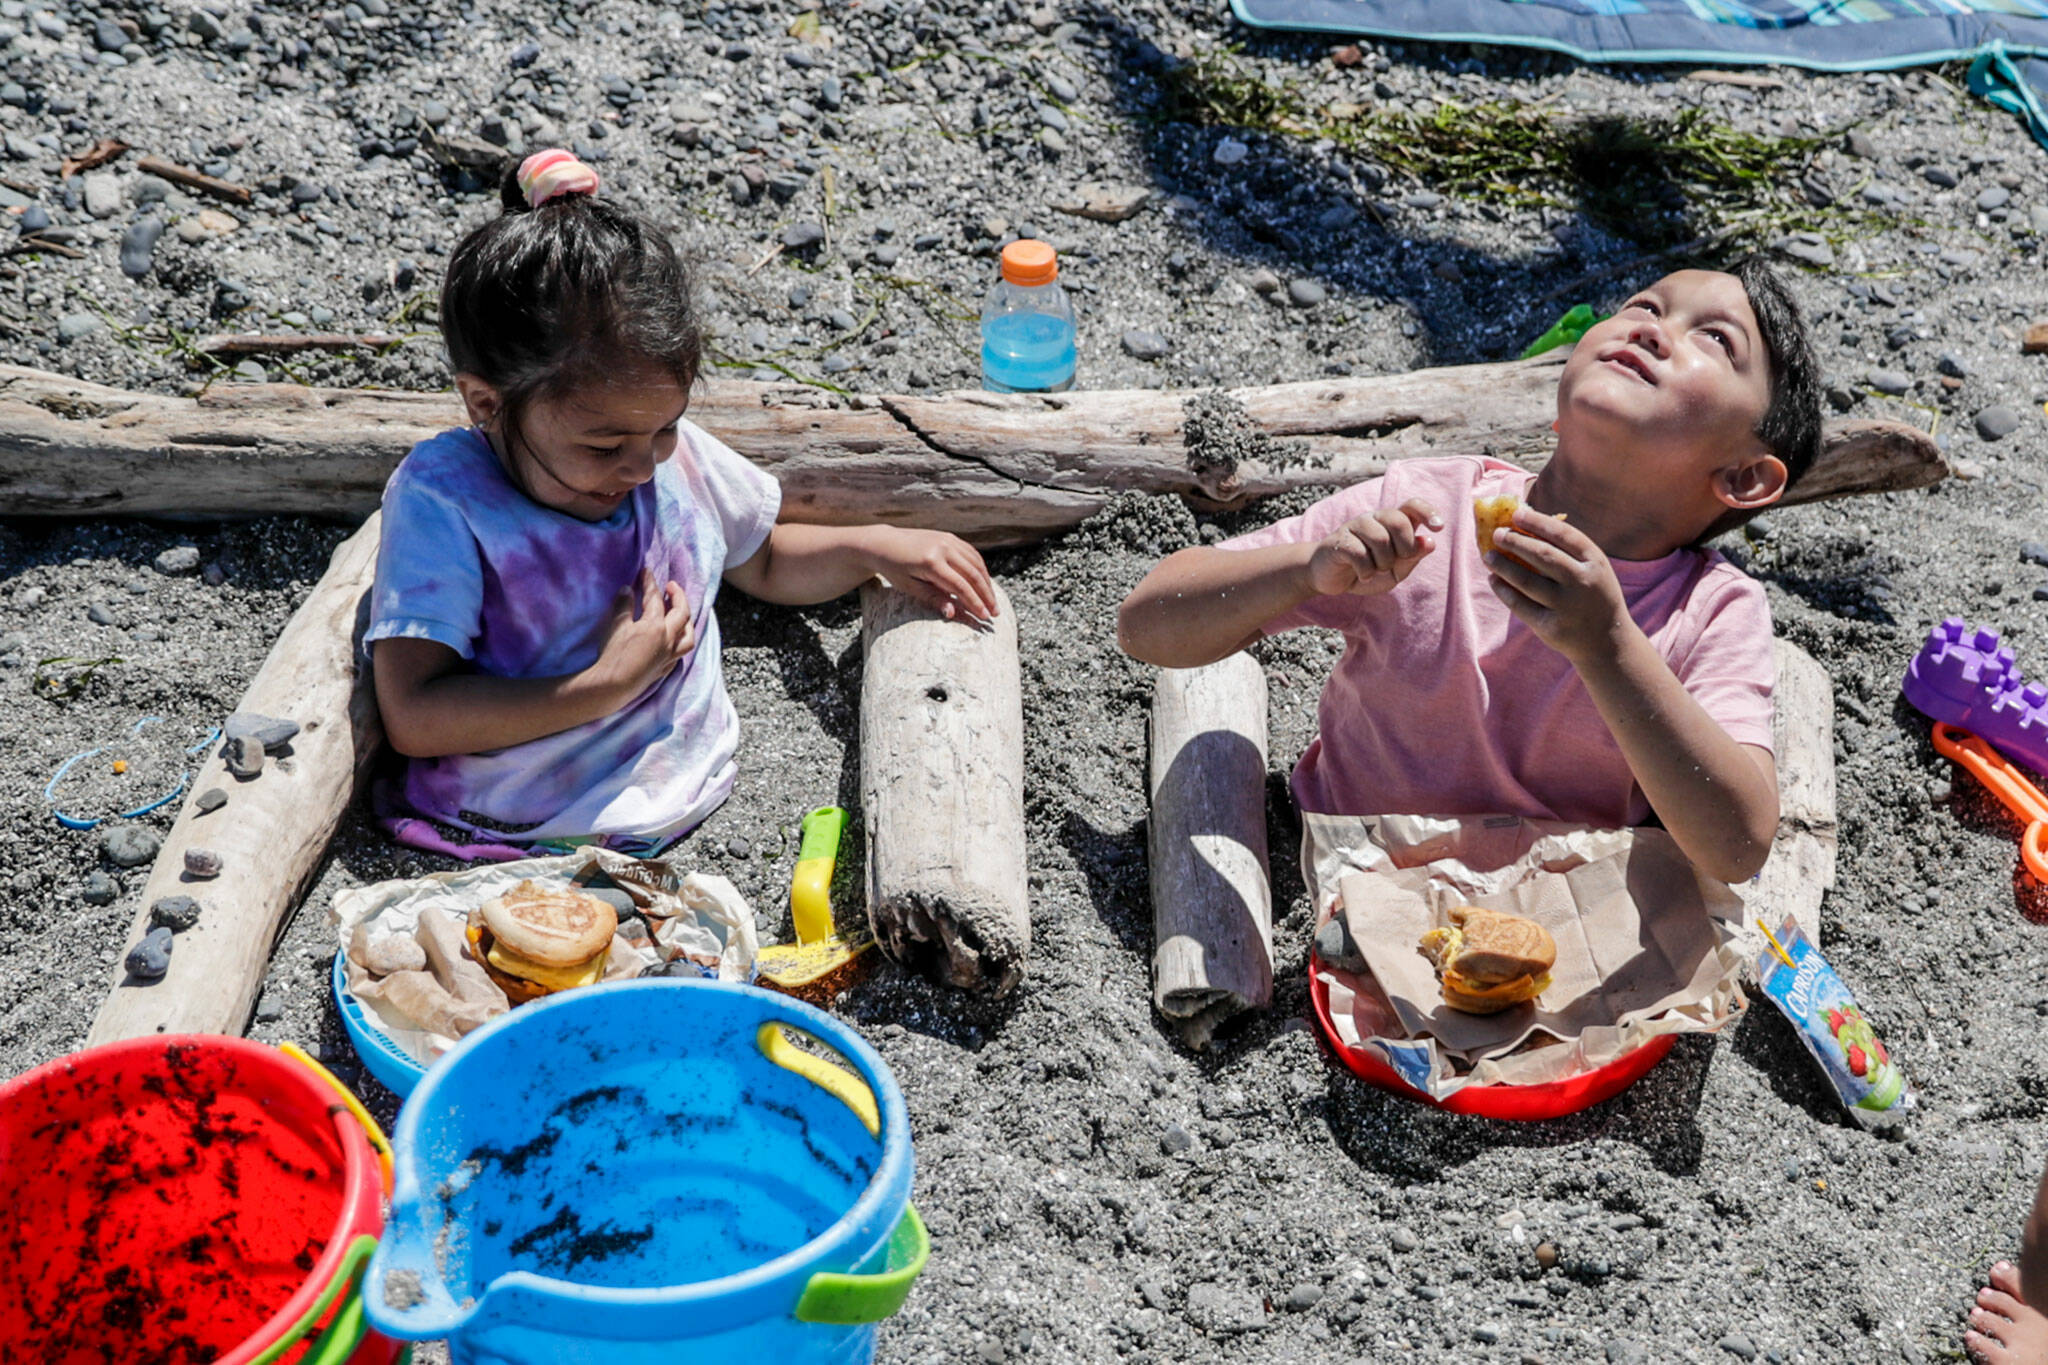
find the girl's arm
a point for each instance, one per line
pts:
(433, 703)
(800, 564)
(1203, 604)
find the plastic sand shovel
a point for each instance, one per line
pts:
(148, 803)
(1566, 331)
(2005, 782)
(816, 964)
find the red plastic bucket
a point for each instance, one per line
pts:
(184, 1199)
(1551, 1100)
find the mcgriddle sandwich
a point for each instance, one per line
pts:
(535, 940)
(1489, 960)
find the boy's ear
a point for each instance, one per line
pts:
(1754, 483)
(481, 398)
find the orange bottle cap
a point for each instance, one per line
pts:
(1029, 261)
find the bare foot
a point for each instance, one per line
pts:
(2006, 1331)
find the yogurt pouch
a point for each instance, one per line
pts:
(1829, 1021)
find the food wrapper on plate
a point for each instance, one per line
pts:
(1645, 945)
(402, 941)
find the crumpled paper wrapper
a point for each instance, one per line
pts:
(1645, 945)
(696, 916)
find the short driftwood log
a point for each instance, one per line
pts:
(942, 791)
(273, 832)
(1212, 904)
(1801, 867)
(995, 468)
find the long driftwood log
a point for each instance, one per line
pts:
(272, 834)
(942, 790)
(1212, 904)
(995, 468)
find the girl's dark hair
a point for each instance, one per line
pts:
(539, 302)
(1791, 424)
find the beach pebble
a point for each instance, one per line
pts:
(1546, 1255)
(130, 845)
(738, 847)
(1888, 381)
(1997, 197)
(202, 862)
(270, 1009)
(1304, 1296)
(151, 958)
(802, 236)
(1401, 1239)
(1139, 344)
(176, 913)
(1486, 1333)
(99, 889)
(178, 561)
(209, 801)
(271, 733)
(1230, 151)
(1738, 1345)
(1175, 1140)
(138, 246)
(1306, 293)
(245, 756)
(1622, 1351)
(1997, 422)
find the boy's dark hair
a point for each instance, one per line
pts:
(539, 302)
(1791, 423)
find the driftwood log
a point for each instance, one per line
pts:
(1801, 867)
(273, 832)
(995, 468)
(942, 790)
(1212, 904)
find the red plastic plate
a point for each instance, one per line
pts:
(1523, 1103)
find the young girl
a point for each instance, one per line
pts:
(545, 650)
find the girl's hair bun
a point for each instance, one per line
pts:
(546, 175)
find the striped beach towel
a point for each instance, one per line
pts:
(2006, 41)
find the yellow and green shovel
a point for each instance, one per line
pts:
(822, 960)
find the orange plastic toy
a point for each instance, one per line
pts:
(2005, 782)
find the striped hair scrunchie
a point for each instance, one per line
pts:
(544, 175)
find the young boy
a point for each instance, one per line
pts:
(1617, 670)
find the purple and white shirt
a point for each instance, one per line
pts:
(523, 591)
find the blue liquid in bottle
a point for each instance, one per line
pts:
(1027, 324)
(1027, 351)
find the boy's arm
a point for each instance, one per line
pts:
(1716, 796)
(800, 564)
(1203, 604)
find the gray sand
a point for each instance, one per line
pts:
(1095, 1192)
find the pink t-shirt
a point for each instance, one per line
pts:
(1444, 704)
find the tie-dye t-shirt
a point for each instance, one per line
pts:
(522, 591)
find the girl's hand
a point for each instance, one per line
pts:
(937, 568)
(1373, 553)
(640, 649)
(1568, 594)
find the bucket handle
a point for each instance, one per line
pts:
(856, 1300)
(378, 1141)
(843, 1085)
(339, 1341)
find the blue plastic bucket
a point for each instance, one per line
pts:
(651, 1171)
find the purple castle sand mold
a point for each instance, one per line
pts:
(1968, 678)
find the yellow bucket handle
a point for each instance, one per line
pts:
(378, 1141)
(849, 1089)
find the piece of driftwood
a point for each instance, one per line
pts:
(995, 468)
(195, 180)
(1801, 867)
(1212, 904)
(272, 834)
(292, 343)
(942, 790)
